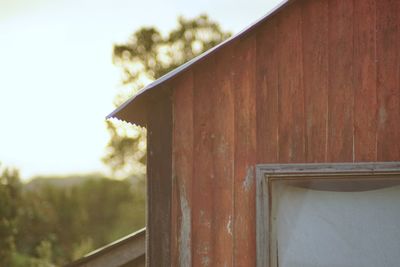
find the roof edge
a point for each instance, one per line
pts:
(140, 234)
(172, 74)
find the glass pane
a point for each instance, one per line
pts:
(335, 225)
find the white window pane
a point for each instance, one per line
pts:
(336, 229)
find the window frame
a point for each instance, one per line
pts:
(266, 173)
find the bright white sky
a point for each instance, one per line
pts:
(57, 81)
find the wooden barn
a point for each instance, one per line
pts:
(303, 107)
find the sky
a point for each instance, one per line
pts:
(57, 81)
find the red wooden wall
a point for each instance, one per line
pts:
(317, 82)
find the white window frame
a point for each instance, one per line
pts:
(266, 173)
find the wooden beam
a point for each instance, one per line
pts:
(159, 180)
(129, 250)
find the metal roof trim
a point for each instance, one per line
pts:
(172, 74)
(85, 260)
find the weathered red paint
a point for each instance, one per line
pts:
(315, 78)
(290, 88)
(203, 226)
(182, 171)
(317, 82)
(340, 88)
(364, 80)
(244, 70)
(388, 72)
(267, 93)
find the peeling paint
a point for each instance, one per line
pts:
(184, 241)
(203, 220)
(248, 181)
(382, 115)
(205, 261)
(229, 225)
(204, 251)
(223, 146)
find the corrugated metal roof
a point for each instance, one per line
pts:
(135, 115)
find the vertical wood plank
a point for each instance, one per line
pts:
(245, 152)
(291, 93)
(223, 159)
(159, 181)
(204, 174)
(267, 93)
(388, 72)
(183, 170)
(176, 216)
(341, 92)
(365, 99)
(315, 78)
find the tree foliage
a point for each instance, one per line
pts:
(146, 56)
(50, 222)
(10, 196)
(47, 223)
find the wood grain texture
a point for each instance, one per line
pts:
(315, 78)
(267, 93)
(243, 77)
(183, 171)
(176, 215)
(317, 82)
(364, 80)
(204, 172)
(223, 159)
(341, 89)
(291, 92)
(159, 182)
(388, 72)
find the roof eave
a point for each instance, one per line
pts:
(131, 110)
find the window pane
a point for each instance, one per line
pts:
(313, 228)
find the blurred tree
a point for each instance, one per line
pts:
(50, 222)
(44, 255)
(146, 56)
(60, 222)
(10, 194)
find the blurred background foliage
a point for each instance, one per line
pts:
(51, 221)
(146, 56)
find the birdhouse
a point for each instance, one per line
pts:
(280, 146)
